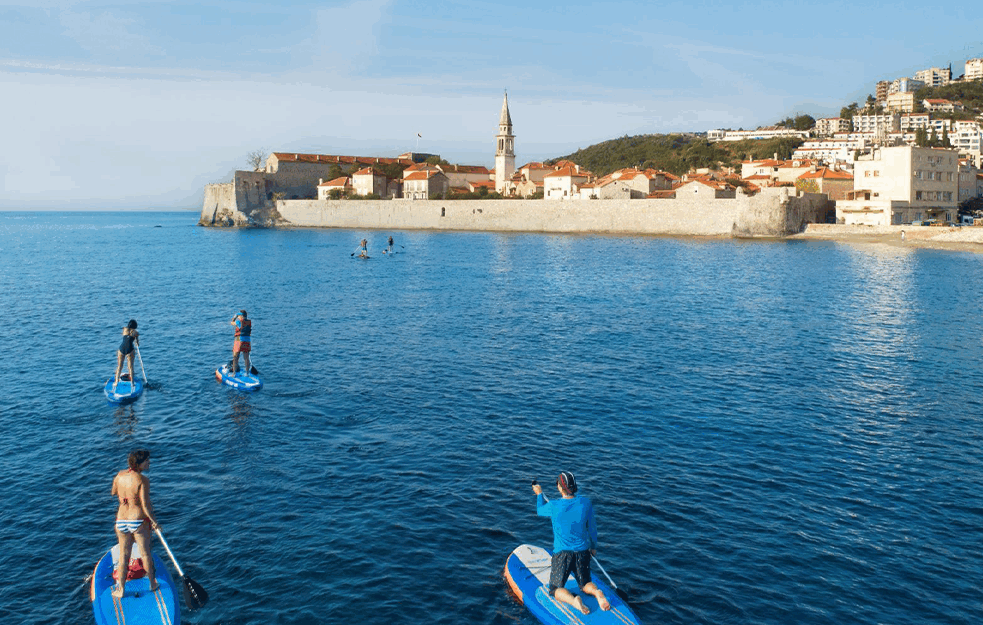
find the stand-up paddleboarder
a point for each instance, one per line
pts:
(574, 541)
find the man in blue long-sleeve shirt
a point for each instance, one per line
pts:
(574, 541)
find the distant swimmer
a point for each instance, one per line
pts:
(242, 342)
(134, 518)
(574, 541)
(125, 351)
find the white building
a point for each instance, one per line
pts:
(716, 134)
(934, 76)
(898, 185)
(838, 149)
(763, 133)
(967, 137)
(876, 124)
(564, 183)
(905, 85)
(831, 125)
(974, 69)
(938, 105)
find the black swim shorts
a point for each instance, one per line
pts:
(565, 562)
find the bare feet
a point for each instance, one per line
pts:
(154, 586)
(604, 603)
(580, 605)
(118, 591)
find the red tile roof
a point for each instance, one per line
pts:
(337, 182)
(567, 171)
(289, 157)
(826, 174)
(422, 175)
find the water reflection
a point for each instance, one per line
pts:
(240, 408)
(125, 420)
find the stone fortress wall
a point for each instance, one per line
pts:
(773, 212)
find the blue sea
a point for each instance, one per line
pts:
(772, 432)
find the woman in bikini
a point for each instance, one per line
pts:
(135, 517)
(125, 352)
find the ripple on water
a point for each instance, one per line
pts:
(771, 432)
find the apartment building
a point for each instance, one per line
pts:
(876, 124)
(935, 76)
(831, 125)
(900, 102)
(898, 185)
(967, 137)
(974, 69)
(837, 149)
(761, 133)
(905, 85)
(880, 92)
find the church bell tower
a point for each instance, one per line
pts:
(505, 151)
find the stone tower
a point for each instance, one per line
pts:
(505, 152)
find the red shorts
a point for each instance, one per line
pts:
(239, 346)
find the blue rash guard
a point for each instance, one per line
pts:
(574, 528)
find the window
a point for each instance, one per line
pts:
(918, 195)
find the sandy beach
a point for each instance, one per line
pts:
(964, 239)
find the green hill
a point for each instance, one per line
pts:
(675, 153)
(970, 93)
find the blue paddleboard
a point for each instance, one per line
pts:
(527, 572)
(241, 380)
(139, 606)
(126, 391)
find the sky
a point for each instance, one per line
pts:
(138, 104)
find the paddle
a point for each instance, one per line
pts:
(620, 593)
(140, 358)
(194, 595)
(85, 582)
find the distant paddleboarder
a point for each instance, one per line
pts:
(134, 518)
(574, 541)
(364, 249)
(390, 248)
(243, 341)
(125, 351)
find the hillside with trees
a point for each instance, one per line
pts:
(676, 153)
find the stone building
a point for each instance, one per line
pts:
(368, 181)
(425, 184)
(836, 184)
(505, 149)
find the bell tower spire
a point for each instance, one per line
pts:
(505, 151)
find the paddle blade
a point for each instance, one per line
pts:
(194, 595)
(622, 594)
(254, 371)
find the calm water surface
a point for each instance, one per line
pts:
(772, 432)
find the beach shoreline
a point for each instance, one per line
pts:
(955, 239)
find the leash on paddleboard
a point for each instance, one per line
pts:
(621, 593)
(194, 594)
